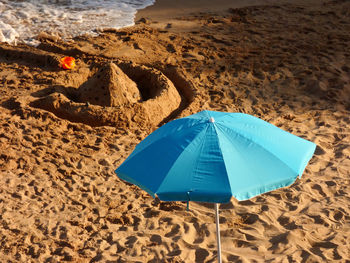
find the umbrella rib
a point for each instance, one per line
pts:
(222, 156)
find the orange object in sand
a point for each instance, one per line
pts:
(67, 62)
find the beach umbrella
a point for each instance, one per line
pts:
(211, 156)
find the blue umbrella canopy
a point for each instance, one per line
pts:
(211, 156)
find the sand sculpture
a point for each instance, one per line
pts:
(112, 97)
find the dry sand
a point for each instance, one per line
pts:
(60, 200)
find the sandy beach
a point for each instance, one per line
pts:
(63, 133)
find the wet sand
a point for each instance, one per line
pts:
(62, 134)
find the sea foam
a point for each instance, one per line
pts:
(22, 20)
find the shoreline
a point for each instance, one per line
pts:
(163, 10)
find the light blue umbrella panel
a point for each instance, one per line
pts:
(211, 156)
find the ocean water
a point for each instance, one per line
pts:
(22, 20)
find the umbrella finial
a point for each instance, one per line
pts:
(212, 120)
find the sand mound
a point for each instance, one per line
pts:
(110, 86)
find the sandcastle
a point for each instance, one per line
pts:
(117, 94)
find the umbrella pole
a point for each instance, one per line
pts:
(218, 231)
